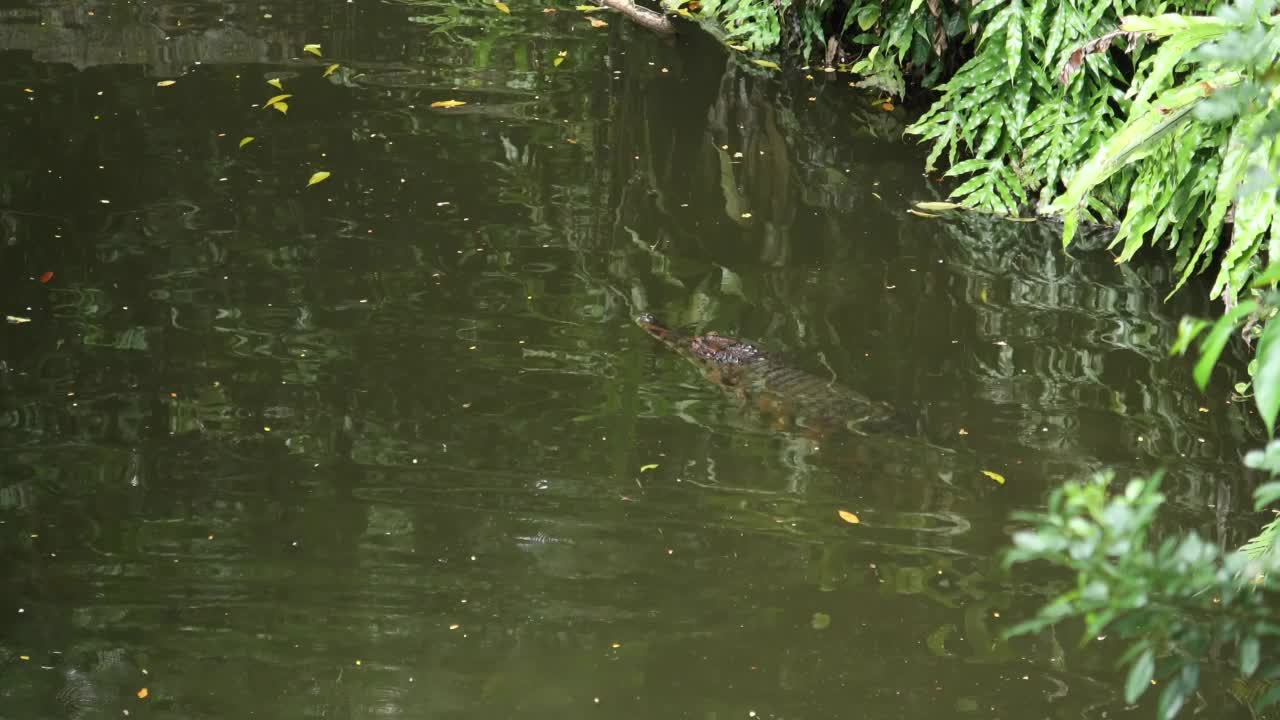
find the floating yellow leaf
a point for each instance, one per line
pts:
(922, 214)
(938, 205)
(739, 48)
(767, 64)
(275, 82)
(1021, 219)
(597, 23)
(318, 177)
(15, 320)
(848, 517)
(313, 48)
(246, 140)
(143, 693)
(548, 10)
(448, 103)
(275, 100)
(560, 56)
(590, 8)
(330, 70)
(646, 468)
(820, 621)
(502, 6)
(994, 476)
(283, 107)
(166, 83)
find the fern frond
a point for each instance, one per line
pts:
(1264, 542)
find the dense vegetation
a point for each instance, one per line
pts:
(1148, 116)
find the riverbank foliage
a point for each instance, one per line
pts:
(1146, 116)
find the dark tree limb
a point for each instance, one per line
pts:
(655, 21)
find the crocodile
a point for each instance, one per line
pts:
(787, 397)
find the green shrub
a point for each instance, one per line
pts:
(1173, 598)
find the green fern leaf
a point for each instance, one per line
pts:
(1264, 542)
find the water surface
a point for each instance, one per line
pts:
(390, 445)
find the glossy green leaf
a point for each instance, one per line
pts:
(1137, 138)
(1266, 381)
(1189, 329)
(1013, 40)
(1140, 674)
(1267, 493)
(1213, 344)
(1234, 164)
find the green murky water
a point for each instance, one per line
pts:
(375, 447)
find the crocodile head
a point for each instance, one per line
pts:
(719, 354)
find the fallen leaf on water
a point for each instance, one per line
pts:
(275, 82)
(275, 100)
(876, 195)
(848, 517)
(820, 621)
(922, 214)
(938, 205)
(886, 106)
(15, 320)
(647, 468)
(318, 177)
(282, 107)
(143, 693)
(1020, 219)
(502, 6)
(746, 216)
(548, 10)
(560, 56)
(597, 23)
(448, 103)
(24, 658)
(330, 70)
(739, 48)
(313, 48)
(994, 476)
(589, 8)
(246, 140)
(166, 83)
(767, 64)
